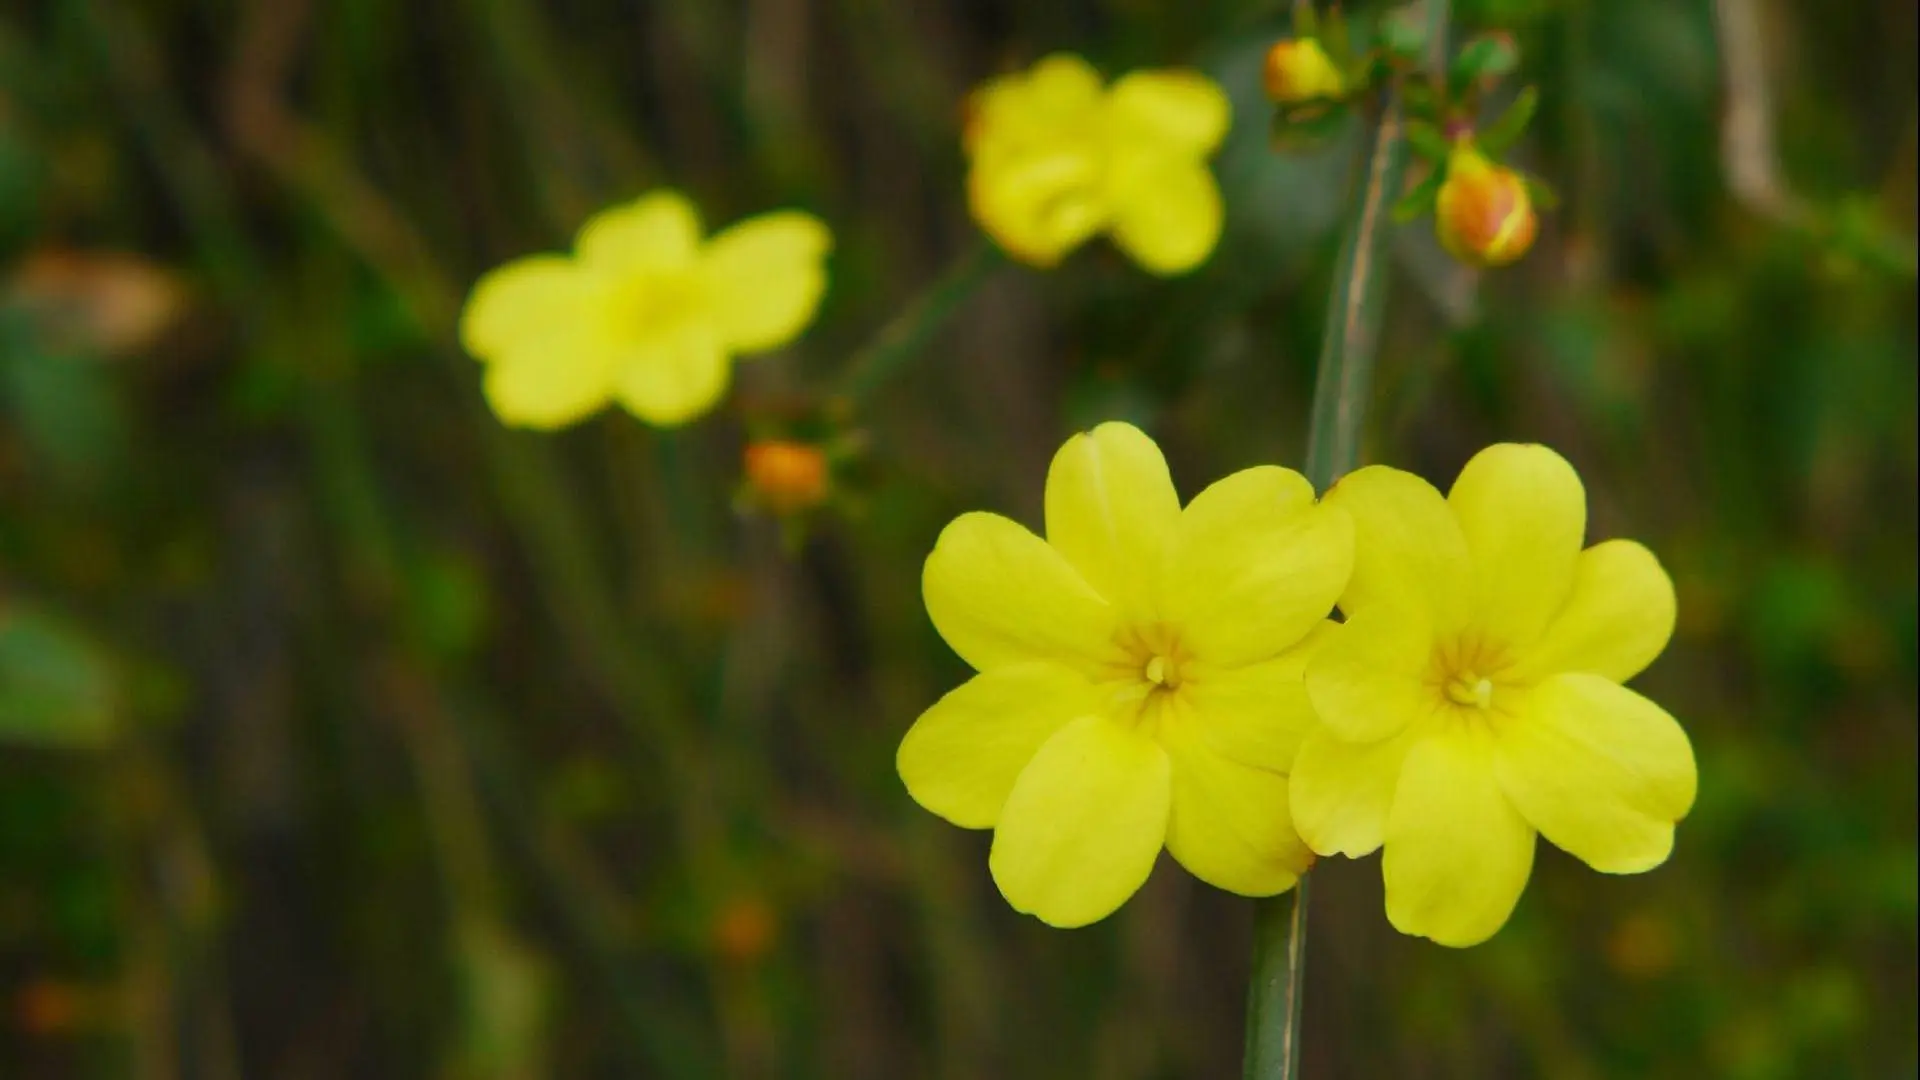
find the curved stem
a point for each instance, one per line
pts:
(906, 334)
(1341, 386)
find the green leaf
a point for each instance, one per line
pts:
(1428, 140)
(1420, 199)
(1306, 23)
(1498, 137)
(56, 688)
(1333, 35)
(1307, 125)
(1542, 193)
(1403, 34)
(1484, 59)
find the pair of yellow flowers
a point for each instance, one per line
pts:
(1152, 675)
(648, 314)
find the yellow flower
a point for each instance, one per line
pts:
(1139, 677)
(1058, 157)
(643, 312)
(1473, 695)
(1300, 71)
(1483, 214)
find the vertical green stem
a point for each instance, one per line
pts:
(1341, 385)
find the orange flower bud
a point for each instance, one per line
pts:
(1483, 215)
(1299, 71)
(744, 929)
(787, 477)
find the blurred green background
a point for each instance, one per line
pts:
(344, 733)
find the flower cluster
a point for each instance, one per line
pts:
(1139, 679)
(1156, 675)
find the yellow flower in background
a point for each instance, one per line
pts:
(1472, 697)
(1483, 214)
(644, 312)
(1058, 157)
(1139, 677)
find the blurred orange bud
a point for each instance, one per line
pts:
(744, 929)
(1483, 215)
(110, 303)
(50, 1007)
(1299, 71)
(1643, 946)
(787, 477)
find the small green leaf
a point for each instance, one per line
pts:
(56, 688)
(1428, 140)
(1306, 24)
(1498, 137)
(1307, 125)
(1419, 201)
(1403, 34)
(1333, 35)
(1542, 194)
(1421, 98)
(1484, 59)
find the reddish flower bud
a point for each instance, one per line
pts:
(787, 477)
(1299, 71)
(1483, 215)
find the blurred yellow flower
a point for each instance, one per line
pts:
(1473, 697)
(1483, 214)
(644, 312)
(1298, 71)
(1058, 157)
(1139, 677)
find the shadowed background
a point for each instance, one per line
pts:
(349, 734)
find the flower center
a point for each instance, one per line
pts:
(1471, 690)
(1145, 687)
(657, 303)
(1466, 672)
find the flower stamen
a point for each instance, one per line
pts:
(1471, 690)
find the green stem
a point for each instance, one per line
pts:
(1351, 338)
(906, 334)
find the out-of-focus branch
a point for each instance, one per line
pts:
(1747, 153)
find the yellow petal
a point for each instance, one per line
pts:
(532, 303)
(961, 757)
(1229, 825)
(1256, 714)
(1000, 595)
(658, 231)
(1617, 619)
(1083, 825)
(1369, 680)
(1457, 852)
(1524, 516)
(1166, 213)
(1408, 553)
(674, 377)
(538, 324)
(1060, 96)
(1110, 508)
(1342, 792)
(1602, 772)
(765, 277)
(1178, 110)
(545, 390)
(1039, 204)
(1255, 565)
(1062, 87)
